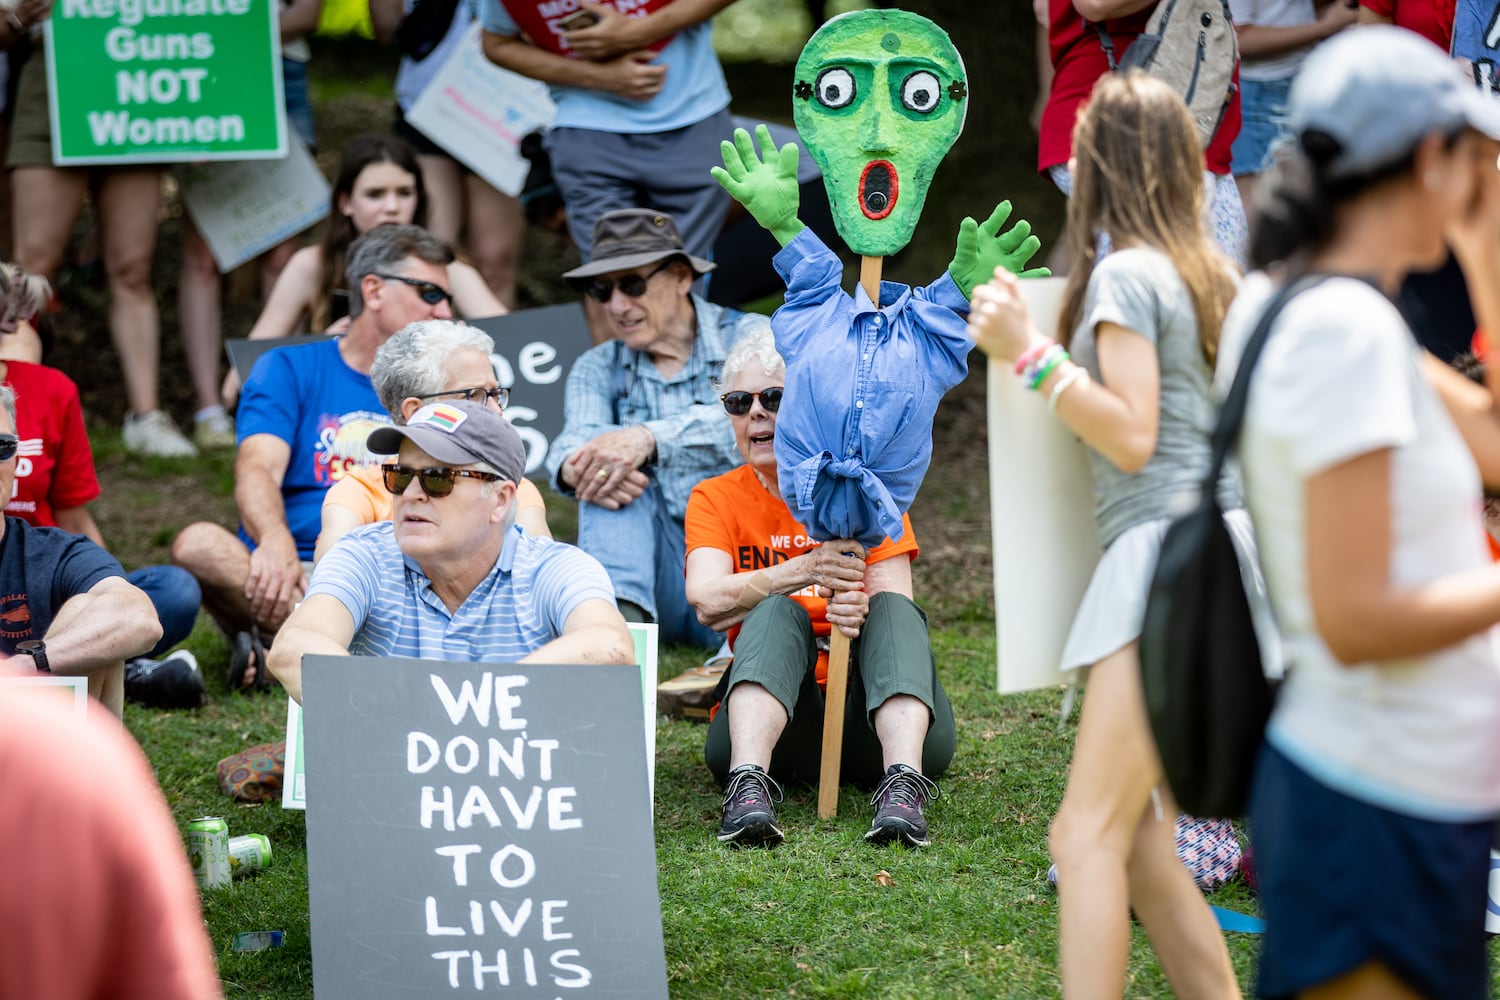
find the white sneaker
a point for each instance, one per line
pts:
(154, 434)
(214, 432)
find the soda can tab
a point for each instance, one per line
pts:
(208, 850)
(249, 852)
(256, 940)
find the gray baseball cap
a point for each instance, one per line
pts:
(1376, 91)
(460, 432)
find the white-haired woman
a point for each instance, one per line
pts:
(752, 570)
(428, 361)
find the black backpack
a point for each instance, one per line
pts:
(1205, 687)
(1190, 45)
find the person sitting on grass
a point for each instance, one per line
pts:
(64, 601)
(751, 569)
(306, 412)
(451, 576)
(434, 359)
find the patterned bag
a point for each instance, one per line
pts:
(254, 775)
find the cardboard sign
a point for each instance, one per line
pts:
(294, 785)
(480, 112)
(155, 81)
(534, 350)
(1045, 541)
(479, 828)
(1476, 40)
(245, 207)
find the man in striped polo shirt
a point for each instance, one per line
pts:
(451, 576)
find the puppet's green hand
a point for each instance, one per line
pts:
(765, 183)
(982, 248)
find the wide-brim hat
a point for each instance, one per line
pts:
(634, 237)
(461, 432)
(1376, 91)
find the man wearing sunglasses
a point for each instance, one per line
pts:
(451, 576)
(304, 415)
(643, 423)
(65, 606)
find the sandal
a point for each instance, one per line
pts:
(263, 679)
(241, 659)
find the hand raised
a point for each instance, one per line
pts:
(982, 247)
(765, 182)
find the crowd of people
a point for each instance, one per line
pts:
(384, 507)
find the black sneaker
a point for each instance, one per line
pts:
(173, 682)
(750, 795)
(898, 807)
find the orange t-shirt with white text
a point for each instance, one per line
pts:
(737, 515)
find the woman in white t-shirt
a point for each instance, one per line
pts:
(1142, 325)
(1374, 799)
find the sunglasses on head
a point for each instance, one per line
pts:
(426, 290)
(499, 395)
(632, 284)
(737, 403)
(9, 444)
(435, 482)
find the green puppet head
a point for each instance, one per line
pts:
(879, 100)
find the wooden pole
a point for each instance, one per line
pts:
(838, 642)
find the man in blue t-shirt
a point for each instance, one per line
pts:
(451, 576)
(65, 607)
(304, 415)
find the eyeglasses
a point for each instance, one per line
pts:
(435, 482)
(9, 444)
(499, 395)
(426, 290)
(632, 284)
(737, 403)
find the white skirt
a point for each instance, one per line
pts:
(1110, 616)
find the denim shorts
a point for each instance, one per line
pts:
(1262, 125)
(299, 111)
(1344, 883)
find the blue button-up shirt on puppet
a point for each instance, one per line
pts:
(854, 434)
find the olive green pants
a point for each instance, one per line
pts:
(892, 656)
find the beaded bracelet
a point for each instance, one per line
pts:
(1046, 366)
(1062, 386)
(1029, 358)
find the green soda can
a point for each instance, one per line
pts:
(208, 850)
(249, 852)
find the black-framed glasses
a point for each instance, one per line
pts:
(737, 403)
(499, 395)
(435, 482)
(426, 290)
(9, 445)
(632, 284)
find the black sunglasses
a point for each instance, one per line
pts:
(737, 403)
(500, 395)
(426, 290)
(632, 284)
(9, 444)
(435, 482)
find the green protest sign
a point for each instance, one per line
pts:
(155, 81)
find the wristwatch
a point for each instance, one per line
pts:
(37, 650)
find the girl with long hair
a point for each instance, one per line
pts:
(1130, 373)
(1374, 798)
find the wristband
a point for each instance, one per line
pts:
(756, 589)
(1063, 385)
(37, 650)
(1054, 357)
(1027, 359)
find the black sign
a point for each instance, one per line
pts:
(534, 349)
(479, 828)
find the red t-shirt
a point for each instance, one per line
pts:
(55, 468)
(1078, 61)
(735, 514)
(1432, 19)
(539, 20)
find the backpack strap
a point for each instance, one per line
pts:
(1108, 45)
(1232, 414)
